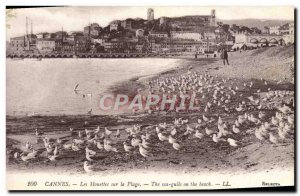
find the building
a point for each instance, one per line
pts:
(266, 30)
(100, 41)
(42, 35)
(114, 46)
(150, 14)
(163, 20)
(209, 35)
(158, 34)
(160, 45)
(186, 35)
(45, 45)
(19, 44)
(82, 44)
(139, 33)
(126, 24)
(139, 47)
(284, 29)
(49, 36)
(115, 25)
(209, 45)
(92, 30)
(290, 37)
(275, 30)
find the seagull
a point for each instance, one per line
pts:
(145, 143)
(74, 147)
(198, 134)
(174, 131)
(162, 137)
(99, 146)
(107, 132)
(135, 142)
(209, 131)
(216, 139)
(49, 149)
(274, 121)
(285, 109)
(38, 133)
(273, 139)
(75, 88)
(16, 155)
(176, 146)
(89, 151)
(26, 158)
(109, 148)
(282, 134)
(199, 121)
(67, 146)
(118, 133)
(205, 118)
(261, 114)
(88, 167)
(58, 140)
(55, 152)
(127, 147)
(236, 123)
(78, 141)
(144, 152)
(235, 129)
(53, 157)
(259, 135)
(232, 142)
(90, 111)
(89, 157)
(171, 139)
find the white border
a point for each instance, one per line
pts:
(3, 3)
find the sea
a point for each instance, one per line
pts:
(46, 87)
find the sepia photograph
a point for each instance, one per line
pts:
(168, 98)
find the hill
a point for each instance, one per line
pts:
(259, 23)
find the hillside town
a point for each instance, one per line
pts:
(186, 35)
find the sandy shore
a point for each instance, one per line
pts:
(196, 156)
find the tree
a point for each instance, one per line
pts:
(225, 27)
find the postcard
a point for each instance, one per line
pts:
(150, 98)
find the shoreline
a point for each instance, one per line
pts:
(197, 156)
(141, 82)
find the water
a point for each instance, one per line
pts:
(46, 87)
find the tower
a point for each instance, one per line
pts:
(213, 18)
(150, 14)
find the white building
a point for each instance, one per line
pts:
(275, 30)
(100, 41)
(44, 45)
(289, 38)
(114, 25)
(186, 35)
(209, 35)
(241, 38)
(158, 34)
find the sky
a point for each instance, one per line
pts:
(75, 18)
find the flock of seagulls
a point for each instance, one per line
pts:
(228, 113)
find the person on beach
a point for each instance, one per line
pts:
(224, 56)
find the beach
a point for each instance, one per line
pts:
(197, 157)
